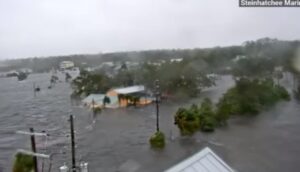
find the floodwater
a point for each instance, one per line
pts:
(118, 140)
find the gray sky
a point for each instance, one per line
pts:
(61, 27)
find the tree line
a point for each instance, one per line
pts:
(215, 59)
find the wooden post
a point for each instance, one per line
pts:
(33, 150)
(93, 108)
(34, 92)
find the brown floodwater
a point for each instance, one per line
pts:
(118, 140)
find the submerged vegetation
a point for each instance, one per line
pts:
(87, 83)
(183, 73)
(191, 120)
(157, 140)
(254, 66)
(23, 163)
(185, 82)
(248, 97)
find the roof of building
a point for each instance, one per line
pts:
(129, 90)
(66, 62)
(204, 161)
(98, 98)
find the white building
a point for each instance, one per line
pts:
(204, 161)
(66, 65)
(238, 57)
(176, 60)
(107, 64)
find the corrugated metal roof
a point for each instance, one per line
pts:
(128, 90)
(204, 161)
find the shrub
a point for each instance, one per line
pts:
(187, 122)
(207, 116)
(23, 163)
(208, 124)
(157, 140)
(195, 118)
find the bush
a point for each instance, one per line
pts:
(208, 124)
(195, 118)
(224, 111)
(23, 163)
(247, 97)
(207, 116)
(187, 121)
(157, 140)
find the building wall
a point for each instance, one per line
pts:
(66, 64)
(111, 93)
(123, 102)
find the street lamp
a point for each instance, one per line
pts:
(157, 94)
(157, 140)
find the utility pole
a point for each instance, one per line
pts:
(32, 138)
(34, 92)
(73, 144)
(33, 153)
(93, 108)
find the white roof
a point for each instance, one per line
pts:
(128, 90)
(204, 161)
(66, 62)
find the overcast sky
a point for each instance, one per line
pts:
(60, 27)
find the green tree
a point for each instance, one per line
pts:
(23, 163)
(87, 83)
(253, 67)
(224, 111)
(207, 116)
(250, 97)
(187, 122)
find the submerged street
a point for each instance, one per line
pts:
(118, 140)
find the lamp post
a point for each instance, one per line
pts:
(72, 144)
(157, 94)
(157, 140)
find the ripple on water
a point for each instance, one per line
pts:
(122, 134)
